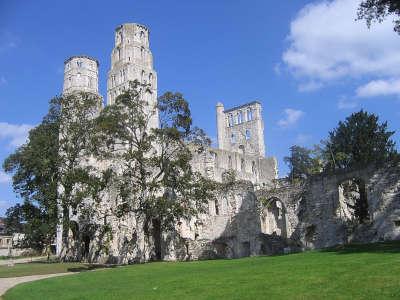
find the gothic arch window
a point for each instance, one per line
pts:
(119, 53)
(249, 114)
(120, 37)
(253, 167)
(150, 78)
(242, 165)
(142, 75)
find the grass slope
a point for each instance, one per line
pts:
(352, 272)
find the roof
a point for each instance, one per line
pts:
(241, 106)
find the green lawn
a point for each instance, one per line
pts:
(352, 272)
(40, 268)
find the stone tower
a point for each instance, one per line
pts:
(241, 129)
(131, 59)
(81, 74)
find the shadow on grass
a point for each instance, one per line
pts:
(382, 247)
(90, 268)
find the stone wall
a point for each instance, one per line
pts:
(313, 210)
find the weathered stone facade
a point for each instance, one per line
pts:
(254, 214)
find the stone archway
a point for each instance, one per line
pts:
(273, 218)
(353, 202)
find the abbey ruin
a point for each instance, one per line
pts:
(257, 214)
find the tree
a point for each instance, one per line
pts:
(155, 180)
(378, 10)
(75, 173)
(14, 220)
(34, 166)
(358, 141)
(302, 162)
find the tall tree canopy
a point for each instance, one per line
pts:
(34, 166)
(358, 141)
(378, 10)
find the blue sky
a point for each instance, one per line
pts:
(308, 62)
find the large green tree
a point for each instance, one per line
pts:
(34, 166)
(358, 141)
(303, 162)
(378, 10)
(155, 179)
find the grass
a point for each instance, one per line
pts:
(351, 272)
(41, 268)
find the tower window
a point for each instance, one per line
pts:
(240, 117)
(249, 114)
(248, 135)
(79, 63)
(230, 120)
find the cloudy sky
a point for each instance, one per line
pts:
(308, 62)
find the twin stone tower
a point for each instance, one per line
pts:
(240, 130)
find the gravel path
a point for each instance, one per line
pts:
(7, 283)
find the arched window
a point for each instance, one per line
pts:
(216, 205)
(249, 114)
(247, 134)
(150, 78)
(79, 64)
(230, 120)
(240, 117)
(142, 75)
(120, 37)
(119, 53)
(242, 165)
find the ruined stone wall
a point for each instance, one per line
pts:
(313, 209)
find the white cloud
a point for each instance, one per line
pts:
(326, 43)
(345, 103)
(309, 86)
(4, 178)
(382, 87)
(14, 134)
(292, 116)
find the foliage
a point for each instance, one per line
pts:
(358, 141)
(152, 174)
(378, 10)
(372, 271)
(303, 162)
(34, 166)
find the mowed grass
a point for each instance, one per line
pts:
(41, 268)
(352, 272)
